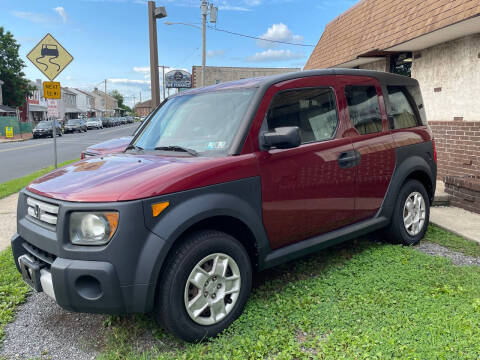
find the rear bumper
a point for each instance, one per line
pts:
(79, 285)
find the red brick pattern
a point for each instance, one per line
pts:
(458, 148)
(373, 25)
(465, 192)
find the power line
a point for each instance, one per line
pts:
(238, 34)
(258, 38)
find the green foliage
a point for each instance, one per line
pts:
(16, 87)
(15, 185)
(454, 242)
(119, 97)
(356, 301)
(12, 289)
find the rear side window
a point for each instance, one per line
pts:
(314, 111)
(401, 109)
(364, 108)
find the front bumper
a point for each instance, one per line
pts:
(116, 278)
(76, 285)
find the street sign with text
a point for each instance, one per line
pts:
(50, 57)
(9, 131)
(52, 108)
(51, 90)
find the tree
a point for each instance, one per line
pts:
(119, 97)
(16, 87)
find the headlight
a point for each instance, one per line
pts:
(95, 228)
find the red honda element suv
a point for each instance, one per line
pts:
(223, 181)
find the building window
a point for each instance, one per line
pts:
(364, 109)
(313, 111)
(401, 64)
(217, 81)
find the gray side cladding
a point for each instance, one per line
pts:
(240, 199)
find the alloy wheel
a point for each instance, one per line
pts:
(414, 212)
(212, 289)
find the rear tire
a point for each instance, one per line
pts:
(220, 267)
(410, 216)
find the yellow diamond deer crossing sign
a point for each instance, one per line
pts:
(50, 57)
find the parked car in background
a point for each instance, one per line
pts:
(45, 129)
(75, 125)
(109, 147)
(105, 122)
(225, 180)
(94, 123)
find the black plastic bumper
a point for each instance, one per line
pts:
(84, 286)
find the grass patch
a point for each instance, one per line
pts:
(12, 289)
(454, 242)
(15, 185)
(359, 300)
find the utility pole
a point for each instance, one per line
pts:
(154, 13)
(163, 79)
(204, 38)
(106, 106)
(213, 19)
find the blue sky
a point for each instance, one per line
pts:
(109, 38)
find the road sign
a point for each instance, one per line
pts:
(52, 108)
(51, 90)
(50, 57)
(9, 132)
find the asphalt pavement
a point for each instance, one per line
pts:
(22, 158)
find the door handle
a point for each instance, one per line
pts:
(348, 159)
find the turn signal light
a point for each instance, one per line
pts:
(159, 207)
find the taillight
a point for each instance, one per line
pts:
(82, 155)
(434, 152)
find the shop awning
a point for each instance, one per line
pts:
(40, 108)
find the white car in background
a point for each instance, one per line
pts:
(94, 123)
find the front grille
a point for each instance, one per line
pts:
(39, 255)
(42, 211)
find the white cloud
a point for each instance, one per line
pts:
(61, 12)
(141, 69)
(129, 81)
(228, 7)
(274, 55)
(278, 32)
(215, 53)
(32, 17)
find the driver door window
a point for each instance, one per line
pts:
(313, 111)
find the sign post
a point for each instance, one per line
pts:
(50, 57)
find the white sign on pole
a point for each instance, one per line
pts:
(52, 108)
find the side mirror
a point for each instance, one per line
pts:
(282, 138)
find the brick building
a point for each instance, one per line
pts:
(438, 43)
(218, 74)
(143, 108)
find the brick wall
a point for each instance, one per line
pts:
(465, 192)
(458, 148)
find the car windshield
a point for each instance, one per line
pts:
(44, 124)
(205, 122)
(73, 122)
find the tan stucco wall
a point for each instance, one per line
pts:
(379, 65)
(224, 74)
(455, 67)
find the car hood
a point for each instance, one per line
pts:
(122, 177)
(110, 146)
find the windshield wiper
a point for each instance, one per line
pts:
(177, 148)
(133, 147)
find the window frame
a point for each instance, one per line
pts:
(265, 128)
(411, 102)
(379, 95)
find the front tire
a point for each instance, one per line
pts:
(204, 286)
(410, 216)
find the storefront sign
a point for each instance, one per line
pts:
(178, 79)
